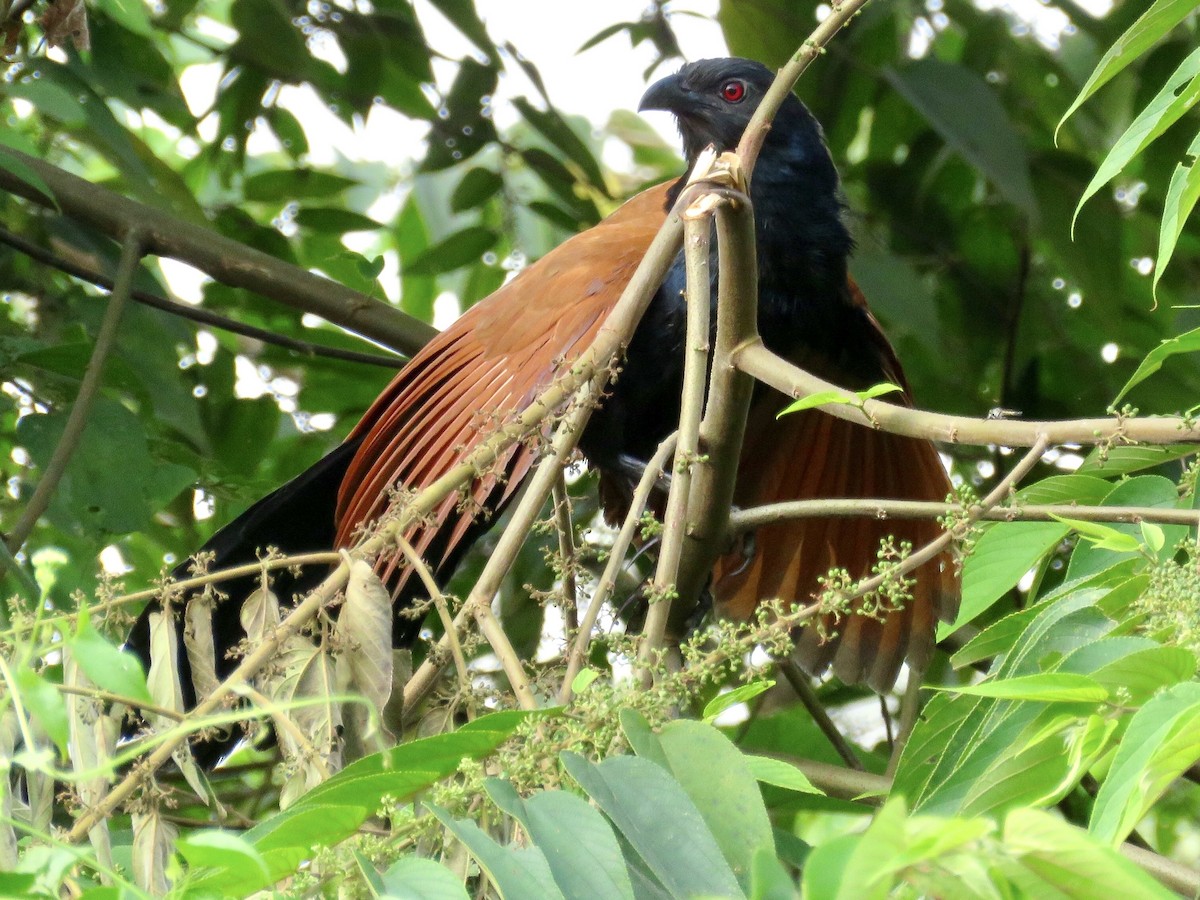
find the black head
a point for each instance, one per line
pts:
(713, 100)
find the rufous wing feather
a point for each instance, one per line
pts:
(481, 372)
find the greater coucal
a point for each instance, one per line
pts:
(506, 349)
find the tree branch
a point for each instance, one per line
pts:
(225, 260)
(193, 313)
(760, 123)
(743, 520)
(131, 253)
(755, 359)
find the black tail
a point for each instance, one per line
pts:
(297, 518)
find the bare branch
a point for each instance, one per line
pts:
(131, 253)
(755, 359)
(194, 313)
(226, 260)
(760, 123)
(743, 520)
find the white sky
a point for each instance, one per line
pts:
(547, 32)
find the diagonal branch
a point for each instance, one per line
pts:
(225, 260)
(194, 313)
(131, 253)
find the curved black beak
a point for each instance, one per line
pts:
(666, 94)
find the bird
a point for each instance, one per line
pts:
(501, 353)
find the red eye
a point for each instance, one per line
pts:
(733, 91)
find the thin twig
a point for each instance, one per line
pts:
(131, 702)
(443, 611)
(479, 603)
(751, 518)
(804, 690)
(616, 562)
(195, 313)
(284, 722)
(561, 501)
(131, 253)
(327, 557)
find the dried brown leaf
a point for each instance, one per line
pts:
(260, 614)
(91, 738)
(365, 633)
(66, 20)
(153, 845)
(166, 691)
(201, 650)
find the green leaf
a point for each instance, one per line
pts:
(1002, 556)
(516, 873)
(413, 878)
(463, 16)
(11, 140)
(1141, 490)
(819, 398)
(768, 770)
(1101, 536)
(769, 880)
(282, 843)
(1153, 536)
(740, 694)
(826, 868)
(878, 390)
(960, 107)
(585, 677)
(555, 129)
(107, 667)
(659, 822)
(1124, 460)
(858, 398)
(460, 249)
(335, 809)
(1141, 35)
(1178, 95)
(578, 843)
(1055, 687)
(476, 187)
(1147, 668)
(334, 219)
(1070, 863)
(1188, 342)
(717, 778)
(1182, 195)
(51, 99)
(129, 13)
(1162, 741)
(44, 702)
(403, 770)
(294, 184)
(221, 849)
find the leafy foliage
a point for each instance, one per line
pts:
(1007, 247)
